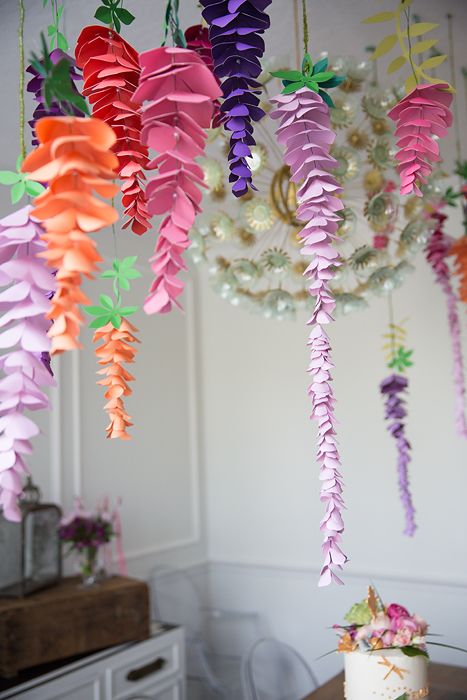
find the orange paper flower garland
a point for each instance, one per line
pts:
(111, 72)
(73, 156)
(116, 350)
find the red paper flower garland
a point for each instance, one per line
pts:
(420, 116)
(111, 72)
(306, 135)
(180, 91)
(73, 156)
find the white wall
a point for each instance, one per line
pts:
(222, 457)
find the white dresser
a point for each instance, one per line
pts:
(149, 670)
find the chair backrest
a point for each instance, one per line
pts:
(275, 671)
(175, 600)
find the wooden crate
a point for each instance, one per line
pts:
(69, 619)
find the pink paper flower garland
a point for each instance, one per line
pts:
(305, 133)
(26, 284)
(437, 250)
(180, 92)
(421, 115)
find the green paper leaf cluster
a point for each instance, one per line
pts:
(19, 183)
(461, 169)
(315, 77)
(57, 85)
(451, 196)
(401, 359)
(121, 273)
(110, 13)
(57, 38)
(410, 43)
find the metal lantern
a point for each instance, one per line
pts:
(30, 552)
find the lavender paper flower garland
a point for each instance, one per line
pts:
(26, 283)
(35, 85)
(234, 31)
(393, 388)
(437, 250)
(306, 135)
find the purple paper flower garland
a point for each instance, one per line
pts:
(35, 85)
(437, 250)
(393, 388)
(26, 283)
(306, 135)
(237, 47)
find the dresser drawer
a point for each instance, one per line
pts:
(148, 665)
(174, 691)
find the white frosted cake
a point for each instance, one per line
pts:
(385, 674)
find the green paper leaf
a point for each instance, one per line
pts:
(423, 46)
(129, 261)
(106, 301)
(123, 283)
(433, 62)
(332, 82)
(94, 310)
(116, 23)
(125, 16)
(384, 46)
(292, 75)
(44, 3)
(100, 321)
(292, 87)
(321, 77)
(8, 177)
(411, 83)
(34, 189)
(19, 162)
(51, 30)
(414, 651)
(380, 17)
(103, 14)
(132, 274)
(17, 191)
(107, 274)
(321, 65)
(396, 64)
(128, 310)
(116, 320)
(60, 13)
(327, 98)
(62, 42)
(420, 28)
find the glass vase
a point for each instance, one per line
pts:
(89, 566)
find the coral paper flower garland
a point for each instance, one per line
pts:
(306, 135)
(116, 349)
(421, 116)
(237, 47)
(437, 249)
(393, 388)
(74, 158)
(26, 284)
(111, 73)
(179, 91)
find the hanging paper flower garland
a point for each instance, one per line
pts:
(235, 27)
(117, 334)
(197, 39)
(393, 389)
(459, 251)
(437, 250)
(26, 284)
(306, 135)
(36, 85)
(74, 158)
(179, 91)
(111, 73)
(422, 115)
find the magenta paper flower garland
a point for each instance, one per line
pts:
(437, 250)
(421, 116)
(393, 388)
(306, 135)
(26, 284)
(180, 93)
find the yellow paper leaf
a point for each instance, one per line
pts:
(410, 83)
(396, 64)
(423, 46)
(433, 62)
(420, 28)
(384, 46)
(380, 17)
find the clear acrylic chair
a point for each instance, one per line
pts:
(273, 670)
(211, 674)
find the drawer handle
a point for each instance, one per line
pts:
(137, 673)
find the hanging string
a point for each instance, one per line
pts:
(452, 64)
(409, 41)
(22, 145)
(297, 35)
(305, 27)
